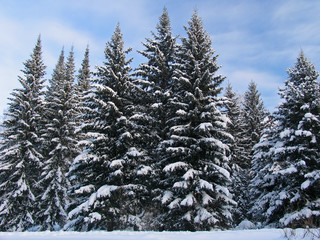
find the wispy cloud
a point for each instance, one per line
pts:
(256, 40)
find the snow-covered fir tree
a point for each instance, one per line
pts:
(60, 145)
(240, 154)
(115, 169)
(82, 89)
(20, 154)
(285, 184)
(195, 158)
(158, 73)
(84, 74)
(254, 117)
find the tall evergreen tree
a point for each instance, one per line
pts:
(194, 157)
(82, 89)
(112, 191)
(60, 144)
(287, 163)
(240, 154)
(158, 74)
(158, 71)
(20, 153)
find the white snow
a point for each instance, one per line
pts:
(206, 185)
(85, 189)
(133, 152)
(246, 224)
(190, 174)
(173, 166)
(116, 163)
(305, 184)
(145, 170)
(263, 234)
(181, 112)
(166, 197)
(204, 127)
(189, 200)
(289, 170)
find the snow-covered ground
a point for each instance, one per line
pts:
(263, 234)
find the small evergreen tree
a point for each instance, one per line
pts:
(195, 158)
(254, 116)
(286, 180)
(60, 145)
(84, 74)
(20, 154)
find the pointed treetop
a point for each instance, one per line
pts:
(164, 26)
(35, 65)
(58, 74)
(196, 29)
(114, 50)
(84, 72)
(70, 66)
(303, 71)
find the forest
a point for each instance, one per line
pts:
(162, 147)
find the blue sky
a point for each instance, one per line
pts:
(255, 39)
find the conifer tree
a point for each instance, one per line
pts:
(254, 115)
(240, 154)
(158, 71)
(157, 74)
(60, 145)
(194, 157)
(82, 89)
(286, 161)
(20, 154)
(84, 73)
(112, 191)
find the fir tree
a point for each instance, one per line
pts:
(287, 194)
(112, 190)
(240, 154)
(20, 153)
(254, 116)
(84, 73)
(60, 145)
(157, 73)
(194, 157)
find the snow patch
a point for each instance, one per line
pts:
(189, 200)
(246, 224)
(85, 189)
(173, 166)
(145, 170)
(133, 152)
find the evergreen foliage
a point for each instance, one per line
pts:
(113, 187)
(286, 162)
(254, 116)
(194, 157)
(157, 149)
(157, 75)
(20, 154)
(84, 74)
(240, 154)
(60, 145)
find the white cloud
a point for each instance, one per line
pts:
(19, 39)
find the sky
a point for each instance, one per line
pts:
(256, 40)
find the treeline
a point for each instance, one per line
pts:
(161, 147)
